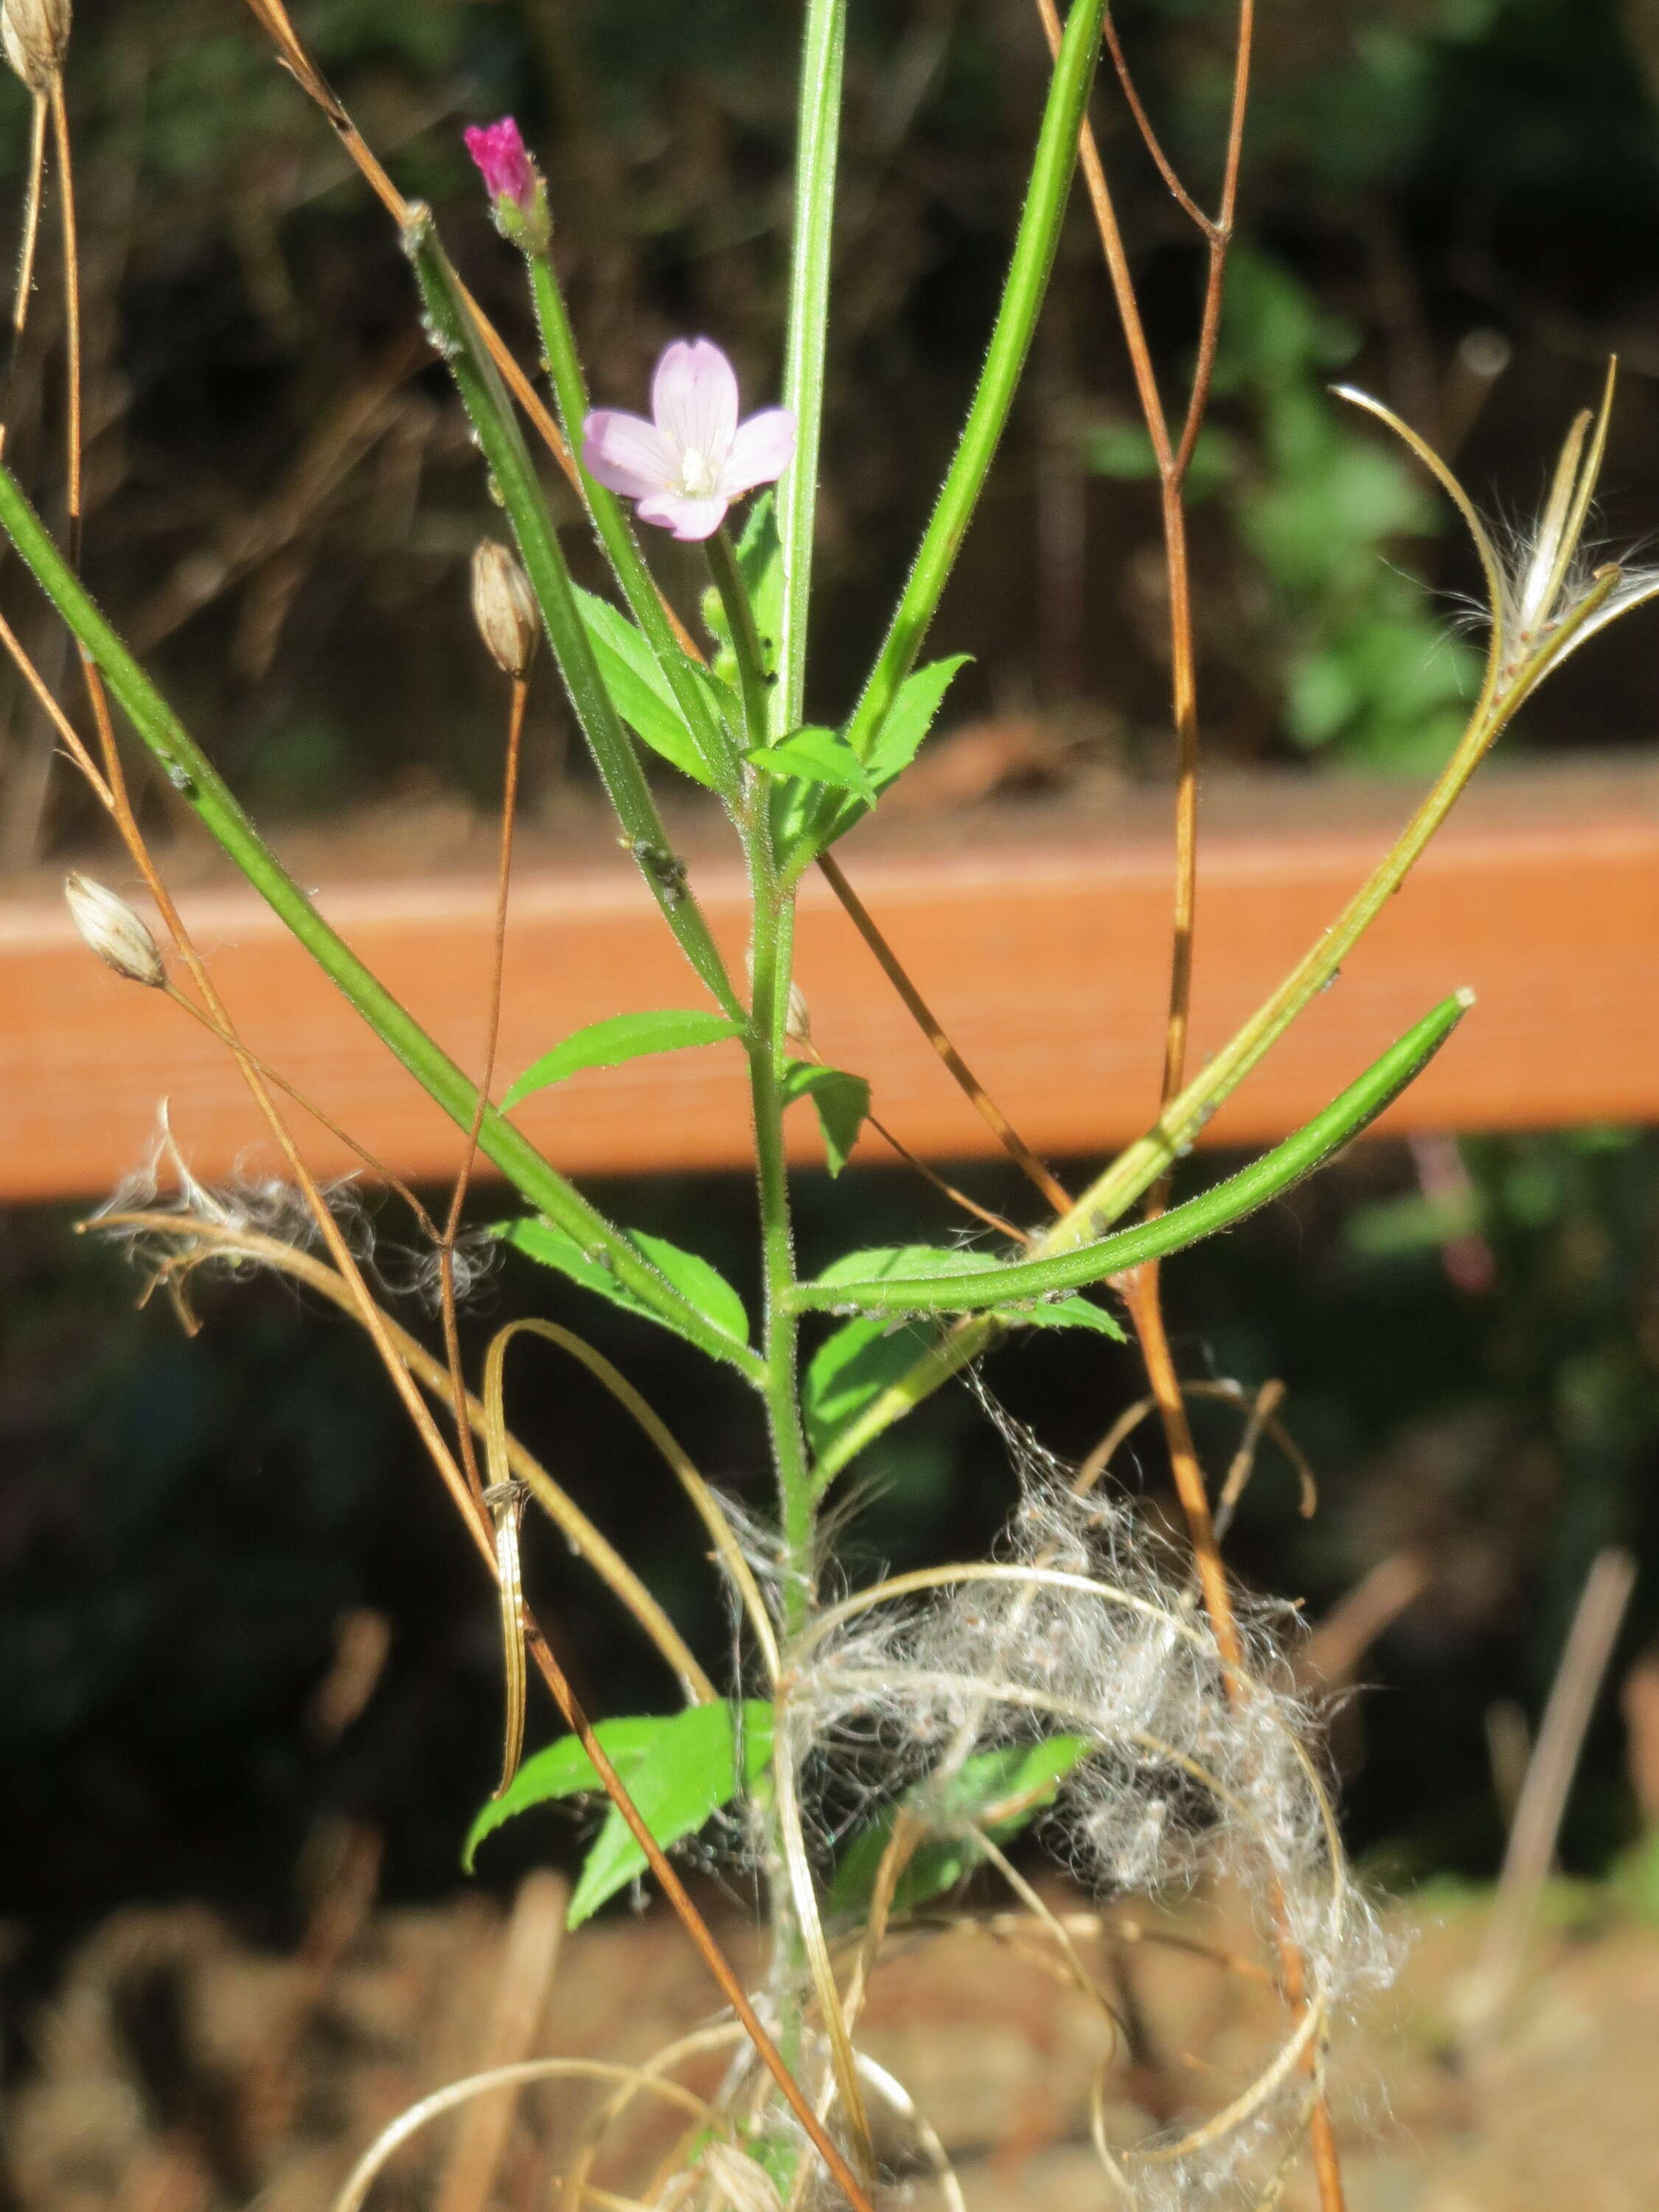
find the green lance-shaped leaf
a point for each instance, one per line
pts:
(827, 816)
(978, 1288)
(815, 756)
(842, 1101)
(622, 1038)
(997, 1793)
(204, 790)
(455, 333)
(850, 1368)
(678, 1768)
(634, 679)
(698, 1287)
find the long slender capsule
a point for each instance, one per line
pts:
(504, 1502)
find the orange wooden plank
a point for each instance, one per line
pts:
(1039, 933)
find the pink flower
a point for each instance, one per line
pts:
(508, 171)
(687, 466)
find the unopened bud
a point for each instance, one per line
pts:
(503, 607)
(114, 931)
(35, 34)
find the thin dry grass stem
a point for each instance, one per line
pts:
(1100, 1458)
(810, 1929)
(420, 2114)
(1165, 168)
(520, 693)
(72, 744)
(947, 1189)
(984, 1105)
(1076, 1972)
(1595, 1625)
(1268, 1400)
(710, 1510)
(75, 489)
(575, 2187)
(34, 191)
(1015, 1927)
(273, 19)
(208, 1240)
(370, 1160)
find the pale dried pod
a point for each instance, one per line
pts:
(35, 34)
(112, 929)
(504, 608)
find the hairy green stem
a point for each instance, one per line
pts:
(199, 783)
(817, 134)
(615, 534)
(455, 333)
(745, 637)
(1052, 169)
(773, 934)
(1058, 1265)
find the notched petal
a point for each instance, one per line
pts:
(626, 453)
(762, 450)
(694, 399)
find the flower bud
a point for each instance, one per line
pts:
(504, 608)
(113, 931)
(35, 34)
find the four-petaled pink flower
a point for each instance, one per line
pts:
(506, 169)
(687, 466)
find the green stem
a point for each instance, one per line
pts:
(612, 525)
(745, 637)
(773, 936)
(1060, 1266)
(1046, 196)
(193, 775)
(818, 132)
(455, 333)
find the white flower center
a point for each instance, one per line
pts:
(698, 475)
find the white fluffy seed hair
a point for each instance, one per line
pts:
(1192, 1772)
(267, 1205)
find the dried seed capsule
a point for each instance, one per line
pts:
(35, 34)
(503, 607)
(113, 931)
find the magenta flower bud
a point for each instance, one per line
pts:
(516, 191)
(687, 464)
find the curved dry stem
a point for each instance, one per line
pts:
(575, 2186)
(1077, 1973)
(1262, 1418)
(709, 1508)
(223, 1240)
(391, 2138)
(33, 194)
(1492, 567)
(898, 2099)
(803, 1893)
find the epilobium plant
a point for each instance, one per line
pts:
(871, 1745)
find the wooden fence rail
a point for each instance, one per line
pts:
(1039, 932)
